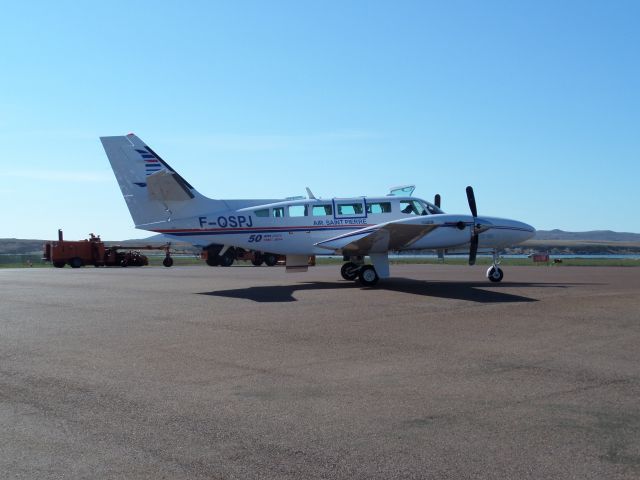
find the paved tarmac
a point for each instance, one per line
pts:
(252, 373)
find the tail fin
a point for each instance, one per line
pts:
(154, 192)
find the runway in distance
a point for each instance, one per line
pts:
(161, 201)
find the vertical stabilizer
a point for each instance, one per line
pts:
(154, 192)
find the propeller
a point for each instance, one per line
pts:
(436, 200)
(473, 249)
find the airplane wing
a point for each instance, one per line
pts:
(380, 238)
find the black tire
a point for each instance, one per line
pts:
(270, 259)
(167, 262)
(368, 276)
(495, 274)
(350, 271)
(226, 260)
(75, 262)
(213, 259)
(59, 264)
(257, 260)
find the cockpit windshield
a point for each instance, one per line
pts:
(418, 207)
(432, 209)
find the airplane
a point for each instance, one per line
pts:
(162, 201)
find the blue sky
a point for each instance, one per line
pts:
(534, 103)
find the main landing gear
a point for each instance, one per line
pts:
(365, 273)
(495, 273)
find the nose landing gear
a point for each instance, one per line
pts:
(495, 273)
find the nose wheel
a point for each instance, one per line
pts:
(495, 273)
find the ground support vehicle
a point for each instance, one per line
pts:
(94, 252)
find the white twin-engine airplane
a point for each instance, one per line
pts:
(161, 201)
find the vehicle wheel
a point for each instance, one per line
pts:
(58, 264)
(257, 259)
(213, 260)
(167, 262)
(495, 274)
(350, 271)
(75, 262)
(227, 259)
(368, 276)
(124, 263)
(270, 259)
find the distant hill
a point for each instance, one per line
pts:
(17, 246)
(590, 236)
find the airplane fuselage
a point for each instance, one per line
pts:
(295, 227)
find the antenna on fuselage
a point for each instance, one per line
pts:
(310, 194)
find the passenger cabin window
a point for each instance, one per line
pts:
(321, 210)
(262, 213)
(297, 210)
(379, 207)
(349, 209)
(278, 212)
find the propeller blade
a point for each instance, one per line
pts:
(436, 200)
(473, 249)
(472, 201)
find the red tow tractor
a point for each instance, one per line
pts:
(94, 252)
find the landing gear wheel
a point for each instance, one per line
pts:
(368, 276)
(213, 260)
(350, 271)
(256, 261)
(270, 259)
(226, 260)
(75, 262)
(167, 262)
(495, 274)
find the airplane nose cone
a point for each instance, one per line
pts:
(522, 231)
(505, 232)
(528, 230)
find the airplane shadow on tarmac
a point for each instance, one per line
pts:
(471, 291)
